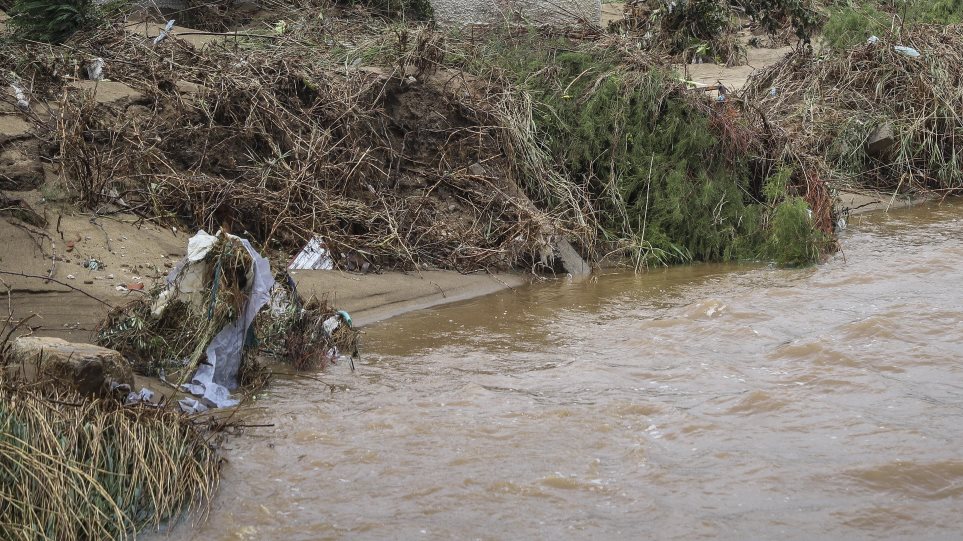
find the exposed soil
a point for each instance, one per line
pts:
(734, 77)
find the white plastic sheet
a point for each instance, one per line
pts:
(314, 256)
(163, 34)
(907, 51)
(215, 380)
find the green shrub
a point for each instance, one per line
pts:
(934, 11)
(852, 23)
(849, 26)
(661, 176)
(800, 15)
(51, 21)
(792, 240)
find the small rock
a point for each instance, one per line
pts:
(70, 277)
(110, 276)
(88, 282)
(571, 261)
(881, 142)
(477, 169)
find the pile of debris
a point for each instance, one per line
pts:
(886, 115)
(284, 136)
(220, 307)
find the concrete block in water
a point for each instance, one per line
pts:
(571, 261)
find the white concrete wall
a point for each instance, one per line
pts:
(537, 12)
(463, 12)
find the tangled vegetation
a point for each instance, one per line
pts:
(672, 176)
(872, 116)
(851, 23)
(801, 16)
(410, 148)
(76, 467)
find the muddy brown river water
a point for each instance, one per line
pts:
(704, 402)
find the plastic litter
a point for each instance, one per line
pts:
(873, 40)
(214, 380)
(773, 92)
(94, 264)
(163, 34)
(95, 70)
(191, 405)
(22, 101)
(331, 324)
(906, 51)
(314, 256)
(199, 245)
(145, 395)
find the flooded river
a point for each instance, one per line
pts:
(703, 402)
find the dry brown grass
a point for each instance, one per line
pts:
(408, 165)
(75, 468)
(828, 106)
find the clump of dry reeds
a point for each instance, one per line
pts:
(75, 467)
(309, 344)
(832, 107)
(72, 467)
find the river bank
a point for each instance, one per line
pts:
(426, 167)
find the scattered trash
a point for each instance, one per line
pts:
(873, 40)
(70, 277)
(906, 51)
(772, 92)
(94, 264)
(136, 286)
(18, 92)
(145, 395)
(314, 256)
(95, 70)
(163, 34)
(191, 405)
